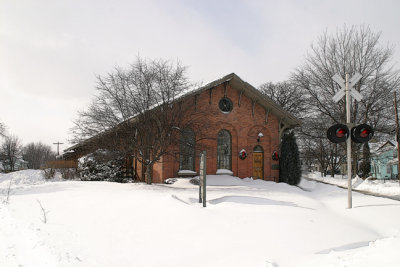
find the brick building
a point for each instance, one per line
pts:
(241, 132)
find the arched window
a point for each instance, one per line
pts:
(224, 150)
(187, 152)
(258, 149)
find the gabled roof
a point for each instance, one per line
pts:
(251, 92)
(287, 119)
(388, 143)
(378, 148)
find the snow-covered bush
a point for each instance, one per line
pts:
(49, 173)
(68, 173)
(170, 181)
(195, 181)
(102, 165)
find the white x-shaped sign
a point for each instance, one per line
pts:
(342, 84)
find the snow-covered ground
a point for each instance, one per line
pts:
(245, 223)
(387, 188)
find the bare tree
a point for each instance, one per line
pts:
(286, 94)
(315, 145)
(137, 111)
(365, 166)
(349, 50)
(10, 151)
(2, 129)
(36, 154)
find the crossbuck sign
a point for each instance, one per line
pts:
(342, 84)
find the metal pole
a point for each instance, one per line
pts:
(348, 104)
(202, 178)
(201, 169)
(200, 199)
(397, 135)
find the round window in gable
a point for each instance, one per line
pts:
(225, 105)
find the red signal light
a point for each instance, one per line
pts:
(364, 133)
(340, 132)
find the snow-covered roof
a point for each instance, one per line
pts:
(380, 147)
(388, 145)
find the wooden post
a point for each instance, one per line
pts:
(397, 135)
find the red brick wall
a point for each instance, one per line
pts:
(244, 129)
(158, 172)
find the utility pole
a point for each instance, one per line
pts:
(397, 135)
(58, 147)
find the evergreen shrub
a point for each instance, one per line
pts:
(289, 161)
(102, 165)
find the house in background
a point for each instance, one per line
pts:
(20, 164)
(384, 161)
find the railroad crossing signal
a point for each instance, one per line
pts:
(339, 133)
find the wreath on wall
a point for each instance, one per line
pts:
(275, 155)
(242, 154)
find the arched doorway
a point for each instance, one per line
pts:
(224, 150)
(258, 162)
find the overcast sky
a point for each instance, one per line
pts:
(51, 51)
